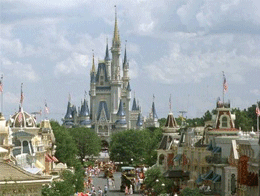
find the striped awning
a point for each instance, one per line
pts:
(55, 159)
(48, 158)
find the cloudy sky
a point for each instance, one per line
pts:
(175, 47)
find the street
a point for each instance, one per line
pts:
(100, 181)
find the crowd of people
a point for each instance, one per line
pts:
(94, 172)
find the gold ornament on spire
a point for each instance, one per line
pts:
(116, 39)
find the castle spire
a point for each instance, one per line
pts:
(93, 64)
(107, 58)
(116, 39)
(125, 57)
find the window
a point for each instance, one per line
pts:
(224, 121)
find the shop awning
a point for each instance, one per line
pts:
(209, 175)
(217, 178)
(177, 157)
(217, 150)
(55, 159)
(48, 158)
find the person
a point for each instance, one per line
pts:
(126, 190)
(131, 190)
(105, 190)
(100, 192)
(113, 182)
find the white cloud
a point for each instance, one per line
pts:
(192, 59)
(255, 92)
(11, 98)
(72, 64)
(19, 70)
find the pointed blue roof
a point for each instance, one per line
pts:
(92, 77)
(102, 104)
(121, 111)
(134, 107)
(84, 109)
(69, 111)
(125, 59)
(139, 122)
(128, 87)
(107, 58)
(154, 112)
(100, 67)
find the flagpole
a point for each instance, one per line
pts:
(257, 120)
(223, 89)
(2, 95)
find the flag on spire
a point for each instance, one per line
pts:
(257, 110)
(46, 108)
(1, 84)
(225, 85)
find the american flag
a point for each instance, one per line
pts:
(22, 96)
(257, 110)
(225, 85)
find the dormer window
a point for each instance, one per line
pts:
(224, 122)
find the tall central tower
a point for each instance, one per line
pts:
(115, 71)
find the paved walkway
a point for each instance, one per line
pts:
(100, 181)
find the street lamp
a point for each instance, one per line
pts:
(156, 180)
(163, 184)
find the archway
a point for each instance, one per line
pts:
(104, 146)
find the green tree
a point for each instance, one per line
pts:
(207, 116)
(87, 141)
(243, 120)
(137, 145)
(66, 149)
(162, 121)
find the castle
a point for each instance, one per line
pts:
(110, 95)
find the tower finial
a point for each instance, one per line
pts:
(116, 39)
(93, 63)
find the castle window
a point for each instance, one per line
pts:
(101, 83)
(224, 121)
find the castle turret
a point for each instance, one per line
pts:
(152, 120)
(121, 122)
(84, 119)
(125, 71)
(139, 123)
